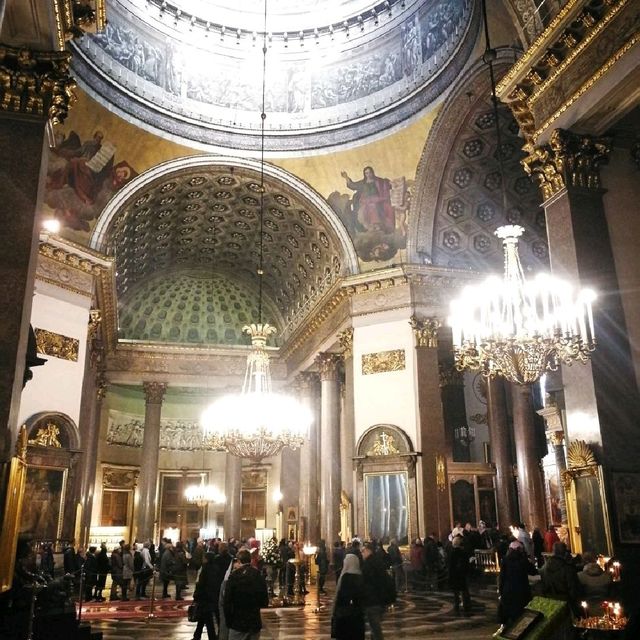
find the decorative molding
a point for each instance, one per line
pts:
(47, 436)
(580, 454)
(255, 478)
(95, 320)
(154, 392)
(383, 445)
(119, 478)
(383, 361)
(328, 365)
(346, 342)
(426, 331)
(552, 418)
(569, 160)
(549, 77)
(54, 344)
(479, 418)
(36, 83)
(21, 444)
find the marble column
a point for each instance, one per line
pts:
(433, 441)
(500, 439)
(329, 454)
(233, 494)
(307, 384)
(148, 479)
(22, 175)
(530, 484)
(347, 429)
(568, 170)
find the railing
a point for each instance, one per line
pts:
(487, 560)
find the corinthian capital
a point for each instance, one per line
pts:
(154, 392)
(426, 331)
(328, 364)
(569, 160)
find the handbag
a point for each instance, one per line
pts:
(192, 612)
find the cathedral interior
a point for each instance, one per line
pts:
(175, 171)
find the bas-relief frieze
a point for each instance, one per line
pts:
(175, 435)
(54, 344)
(383, 361)
(55, 273)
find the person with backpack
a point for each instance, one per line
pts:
(378, 589)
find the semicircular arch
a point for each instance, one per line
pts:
(68, 436)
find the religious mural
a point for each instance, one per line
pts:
(41, 515)
(82, 177)
(375, 214)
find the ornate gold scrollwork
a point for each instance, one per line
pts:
(383, 445)
(54, 344)
(383, 361)
(441, 472)
(346, 341)
(47, 436)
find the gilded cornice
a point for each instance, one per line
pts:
(569, 160)
(36, 83)
(585, 37)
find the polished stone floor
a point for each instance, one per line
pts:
(414, 616)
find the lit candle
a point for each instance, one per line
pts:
(583, 604)
(616, 571)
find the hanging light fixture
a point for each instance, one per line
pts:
(202, 494)
(257, 423)
(512, 327)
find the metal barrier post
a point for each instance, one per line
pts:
(152, 600)
(80, 595)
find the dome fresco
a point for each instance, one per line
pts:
(191, 307)
(336, 72)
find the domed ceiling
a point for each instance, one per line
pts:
(336, 71)
(195, 307)
(206, 219)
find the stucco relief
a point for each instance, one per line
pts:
(52, 271)
(175, 435)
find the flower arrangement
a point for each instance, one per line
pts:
(270, 553)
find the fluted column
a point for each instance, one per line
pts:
(433, 442)
(148, 479)
(347, 431)
(530, 484)
(500, 439)
(233, 494)
(307, 384)
(329, 446)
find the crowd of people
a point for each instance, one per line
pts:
(235, 579)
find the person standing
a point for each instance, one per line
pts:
(322, 560)
(166, 568)
(338, 558)
(560, 578)
(116, 573)
(127, 570)
(347, 617)
(550, 538)
(103, 566)
(397, 564)
(513, 584)
(205, 596)
(458, 575)
(90, 568)
(180, 563)
(245, 594)
(375, 586)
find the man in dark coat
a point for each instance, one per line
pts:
(220, 564)
(206, 597)
(458, 575)
(513, 585)
(245, 594)
(374, 587)
(90, 573)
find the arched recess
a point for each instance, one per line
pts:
(386, 484)
(203, 212)
(458, 202)
(53, 443)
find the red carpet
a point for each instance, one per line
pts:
(134, 609)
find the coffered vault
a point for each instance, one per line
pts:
(199, 218)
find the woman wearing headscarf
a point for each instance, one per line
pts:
(513, 585)
(347, 618)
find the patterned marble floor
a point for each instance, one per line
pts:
(414, 616)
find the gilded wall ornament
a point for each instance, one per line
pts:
(383, 445)
(119, 478)
(54, 344)
(426, 331)
(383, 361)
(95, 320)
(441, 472)
(47, 436)
(580, 454)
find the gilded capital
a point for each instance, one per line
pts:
(154, 392)
(425, 331)
(556, 438)
(328, 364)
(569, 160)
(346, 341)
(36, 83)
(95, 319)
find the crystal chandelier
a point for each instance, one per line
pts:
(517, 328)
(257, 423)
(202, 494)
(465, 435)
